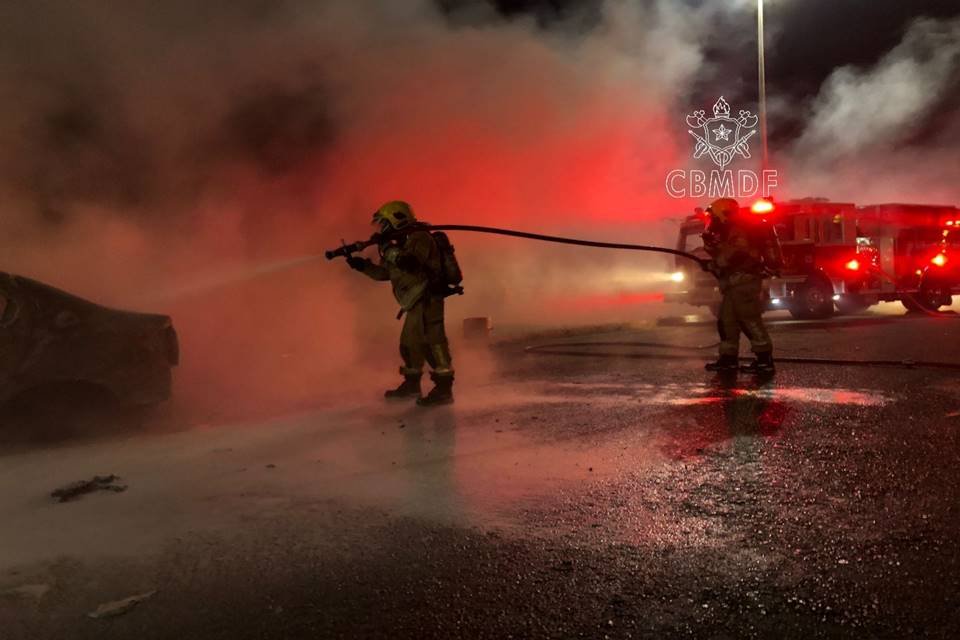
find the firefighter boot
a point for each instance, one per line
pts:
(442, 392)
(762, 365)
(724, 363)
(409, 388)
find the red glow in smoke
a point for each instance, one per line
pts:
(599, 301)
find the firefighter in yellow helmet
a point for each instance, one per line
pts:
(743, 250)
(412, 261)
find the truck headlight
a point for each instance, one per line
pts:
(677, 276)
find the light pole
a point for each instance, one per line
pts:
(762, 77)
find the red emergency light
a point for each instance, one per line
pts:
(762, 207)
(853, 265)
(939, 260)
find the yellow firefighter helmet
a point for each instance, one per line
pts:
(394, 215)
(723, 210)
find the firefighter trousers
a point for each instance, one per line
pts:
(424, 339)
(741, 311)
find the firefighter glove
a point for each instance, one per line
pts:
(356, 263)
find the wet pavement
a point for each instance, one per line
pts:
(601, 487)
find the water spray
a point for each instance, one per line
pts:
(345, 250)
(224, 278)
(230, 277)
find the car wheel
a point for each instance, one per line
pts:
(814, 301)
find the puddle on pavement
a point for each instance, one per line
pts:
(497, 454)
(700, 393)
(484, 462)
(453, 465)
(793, 394)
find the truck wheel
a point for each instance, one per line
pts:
(910, 304)
(814, 301)
(931, 298)
(852, 303)
(931, 294)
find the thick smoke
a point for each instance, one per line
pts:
(169, 155)
(884, 106)
(860, 142)
(152, 146)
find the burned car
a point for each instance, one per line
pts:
(52, 340)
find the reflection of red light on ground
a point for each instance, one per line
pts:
(771, 418)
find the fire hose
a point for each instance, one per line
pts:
(576, 349)
(634, 247)
(347, 249)
(570, 241)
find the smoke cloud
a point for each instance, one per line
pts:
(861, 135)
(151, 148)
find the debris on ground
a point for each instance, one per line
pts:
(120, 607)
(74, 490)
(27, 591)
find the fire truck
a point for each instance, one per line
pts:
(840, 257)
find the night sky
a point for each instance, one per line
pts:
(806, 42)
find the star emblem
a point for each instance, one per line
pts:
(714, 138)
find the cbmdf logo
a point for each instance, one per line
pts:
(723, 138)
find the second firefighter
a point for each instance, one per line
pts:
(743, 250)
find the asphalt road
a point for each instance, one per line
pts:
(614, 490)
